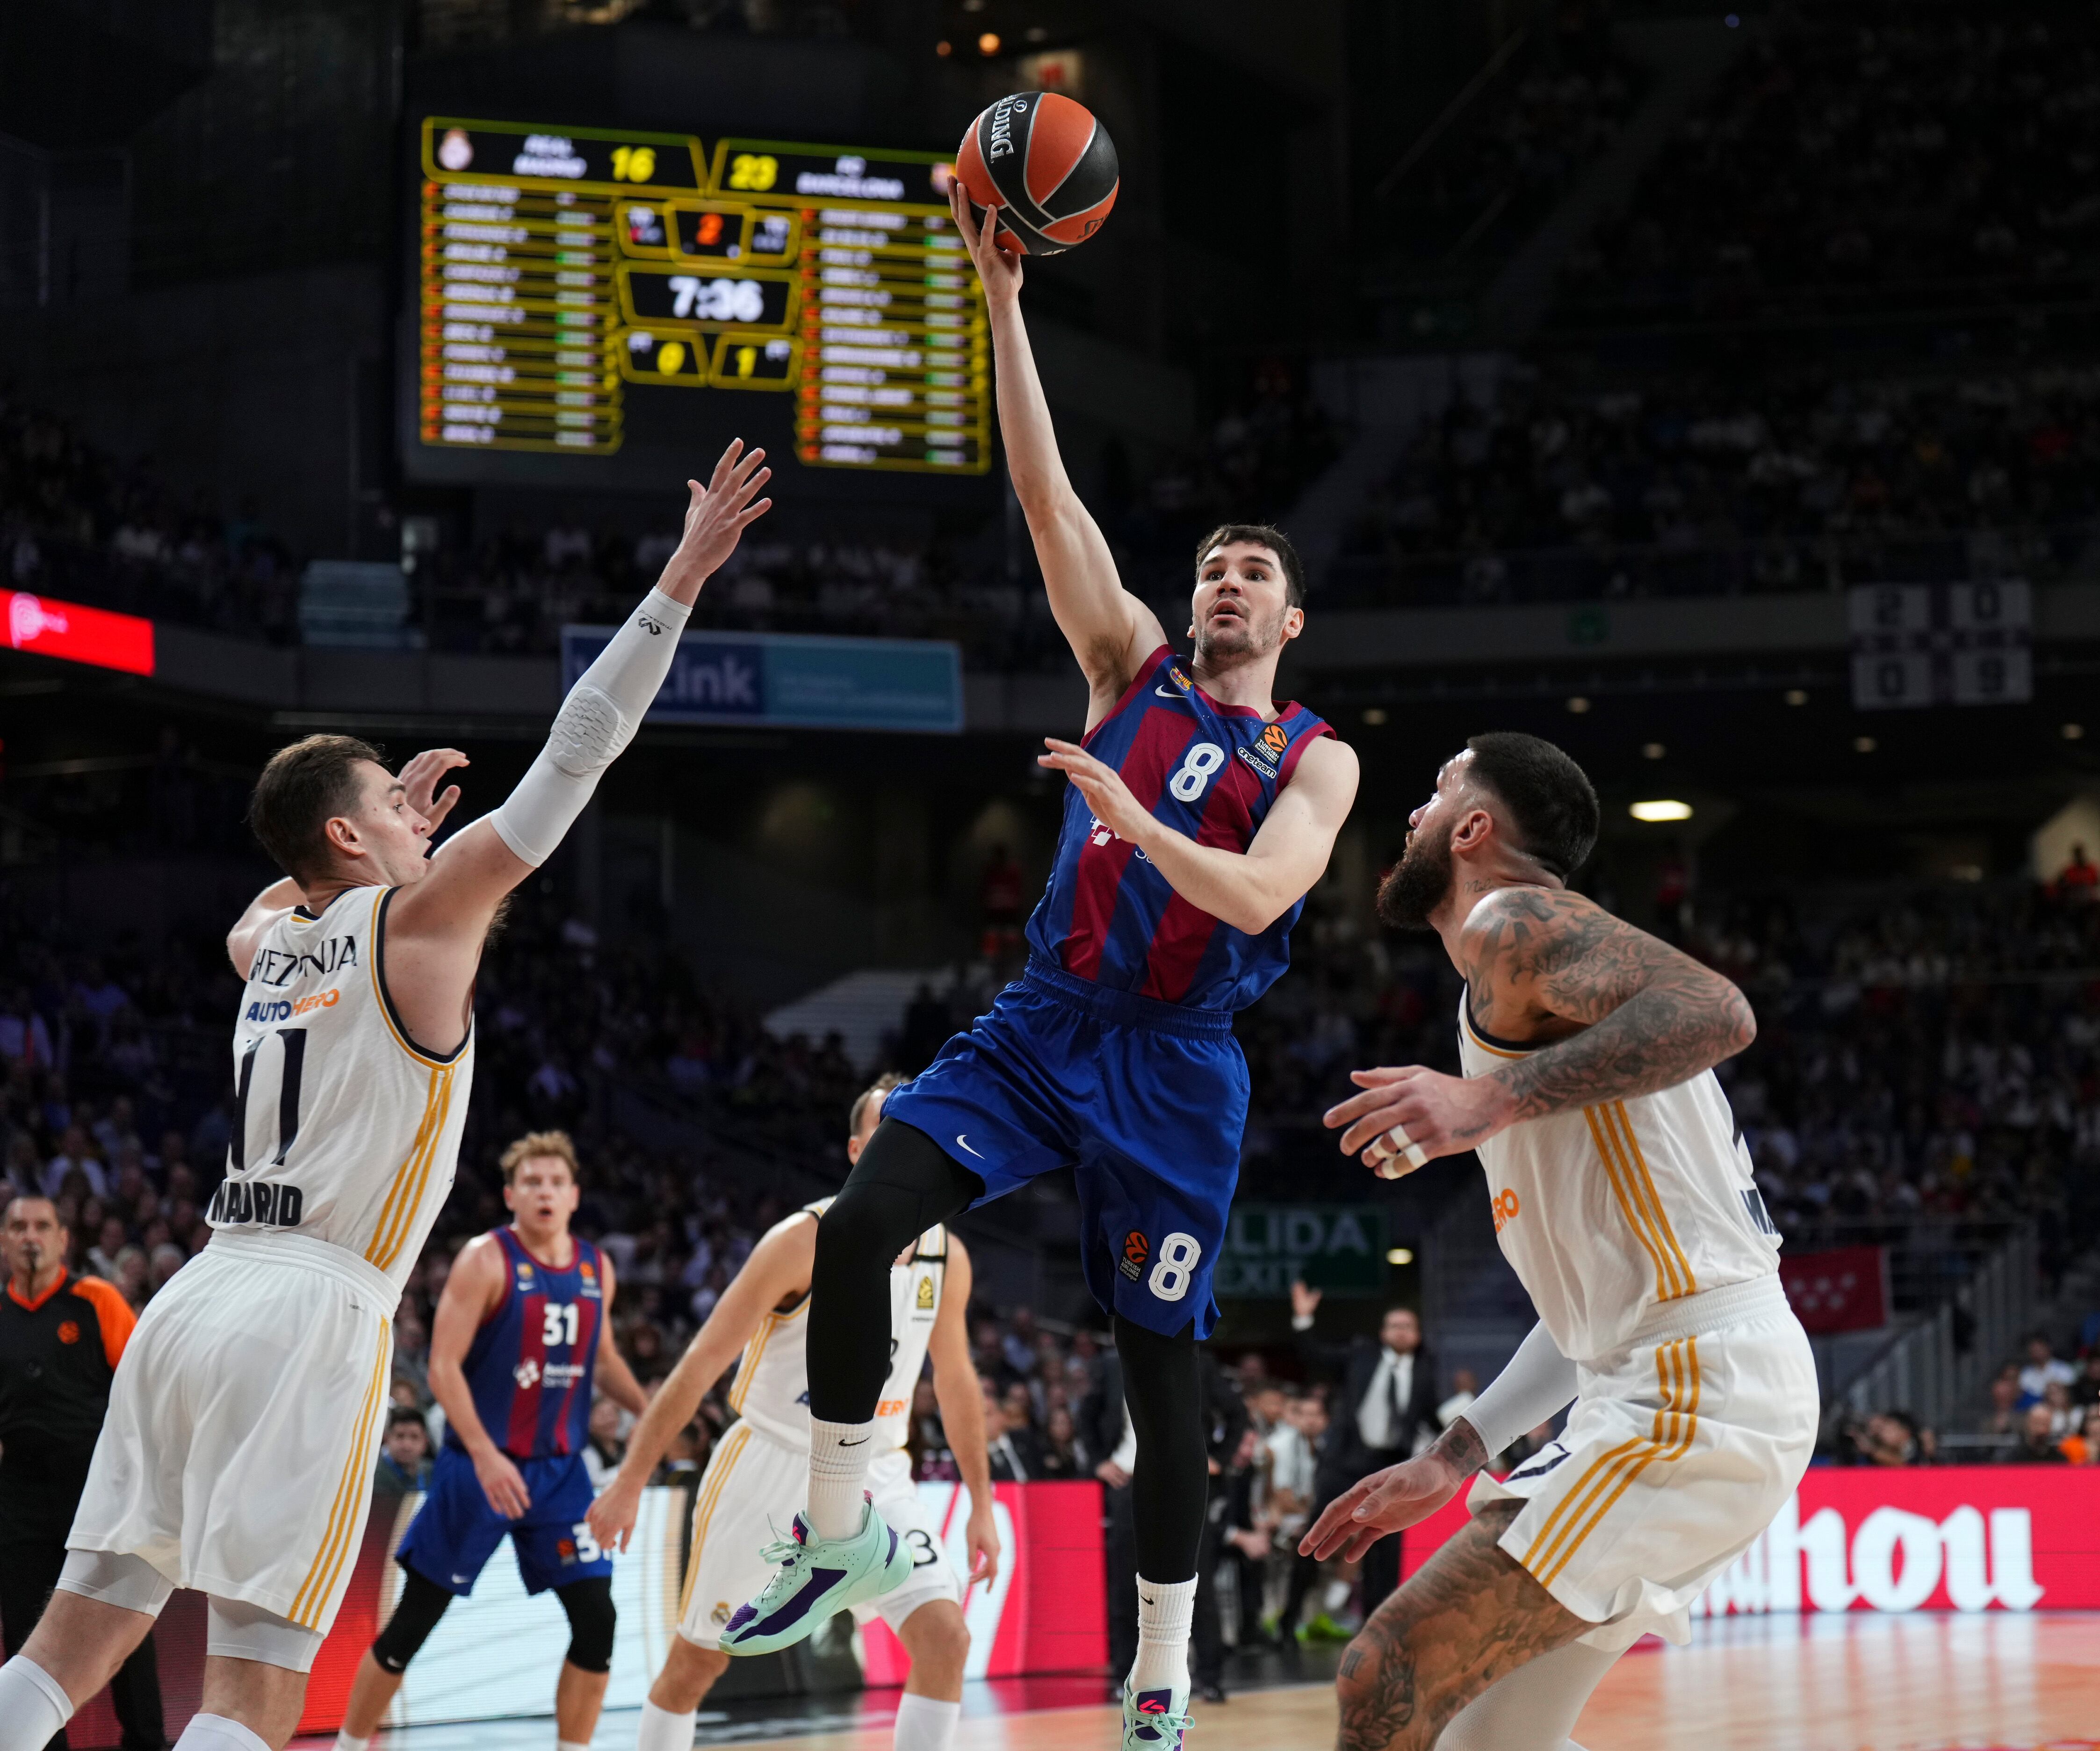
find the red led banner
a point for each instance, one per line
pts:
(67, 630)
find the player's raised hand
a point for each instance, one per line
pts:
(611, 1517)
(502, 1483)
(1408, 1116)
(716, 515)
(1101, 785)
(1390, 1501)
(1304, 1302)
(998, 266)
(420, 778)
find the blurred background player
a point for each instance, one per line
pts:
(755, 1475)
(1625, 1205)
(1198, 815)
(523, 1329)
(353, 1058)
(61, 1337)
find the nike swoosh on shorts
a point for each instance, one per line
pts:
(965, 1142)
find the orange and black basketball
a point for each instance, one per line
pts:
(1046, 164)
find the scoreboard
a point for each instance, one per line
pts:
(573, 282)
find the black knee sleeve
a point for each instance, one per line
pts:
(423, 1602)
(902, 1185)
(591, 1620)
(1170, 1482)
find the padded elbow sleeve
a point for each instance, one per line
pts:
(1539, 1382)
(591, 1621)
(595, 722)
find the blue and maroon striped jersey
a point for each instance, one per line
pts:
(531, 1364)
(1211, 771)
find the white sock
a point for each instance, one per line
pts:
(571, 1745)
(925, 1723)
(216, 1732)
(33, 1705)
(839, 1453)
(344, 1740)
(1165, 1611)
(663, 1730)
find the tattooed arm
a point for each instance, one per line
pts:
(1614, 1012)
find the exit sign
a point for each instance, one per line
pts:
(1336, 1248)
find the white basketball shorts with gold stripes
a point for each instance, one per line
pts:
(750, 1494)
(1678, 1452)
(244, 1421)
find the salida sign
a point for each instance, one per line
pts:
(1340, 1248)
(1960, 1537)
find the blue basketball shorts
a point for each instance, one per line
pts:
(456, 1532)
(1145, 1102)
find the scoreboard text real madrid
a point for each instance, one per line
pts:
(565, 272)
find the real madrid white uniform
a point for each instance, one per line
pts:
(759, 1473)
(1636, 1228)
(237, 1454)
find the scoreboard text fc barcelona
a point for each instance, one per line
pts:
(570, 280)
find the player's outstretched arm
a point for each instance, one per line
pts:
(470, 1295)
(1250, 890)
(1538, 959)
(435, 927)
(779, 1268)
(961, 1396)
(615, 1379)
(264, 910)
(1110, 631)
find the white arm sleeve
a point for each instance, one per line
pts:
(1539, 1382)
(598, 720)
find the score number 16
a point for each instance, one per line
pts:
(633, 164)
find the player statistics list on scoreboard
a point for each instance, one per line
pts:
(566, 272)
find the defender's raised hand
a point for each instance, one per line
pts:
(716, 518)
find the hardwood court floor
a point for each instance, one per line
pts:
(1815, 1683)
(1995, 1682)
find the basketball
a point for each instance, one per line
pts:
(1046, 164)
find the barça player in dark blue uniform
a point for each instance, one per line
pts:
(1199, 814)
(522, 1337)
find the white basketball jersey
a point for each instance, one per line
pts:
(772, 1387)
(342, 1128)
(1605, 1212)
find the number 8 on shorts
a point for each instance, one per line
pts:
(1171, 1277)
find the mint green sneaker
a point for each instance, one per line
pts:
(818, 1577)
(1150, 1720)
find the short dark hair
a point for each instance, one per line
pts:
(303, 786)
(401, 1413)
(1260, 535)
(1550, 801)
(881, 1085)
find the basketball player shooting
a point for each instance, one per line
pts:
(1199, 813)
(237, 1455)
(755, 1476)
(1623, 1199)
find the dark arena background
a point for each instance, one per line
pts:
(1716, 394)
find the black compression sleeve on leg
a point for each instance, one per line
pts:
(591, 1620)
(423, 1602)
(1171, 1481)
(902, 1185)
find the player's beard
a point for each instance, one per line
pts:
(1250, 639)
(1417, 885)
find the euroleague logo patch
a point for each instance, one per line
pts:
(1136, 1249)
(1274, 738)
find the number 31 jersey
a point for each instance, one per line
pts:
(1211, 771)
(344, 1128)
(533, 1364)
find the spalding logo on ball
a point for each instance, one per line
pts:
(1045, 165)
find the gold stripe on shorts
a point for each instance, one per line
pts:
(1579, 1512)
(703, 1510)
(356, 1466)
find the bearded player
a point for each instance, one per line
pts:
(522, 1334)
(237, 1455)
(1198, 815)
(1623, 1199)
(755, 1476)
